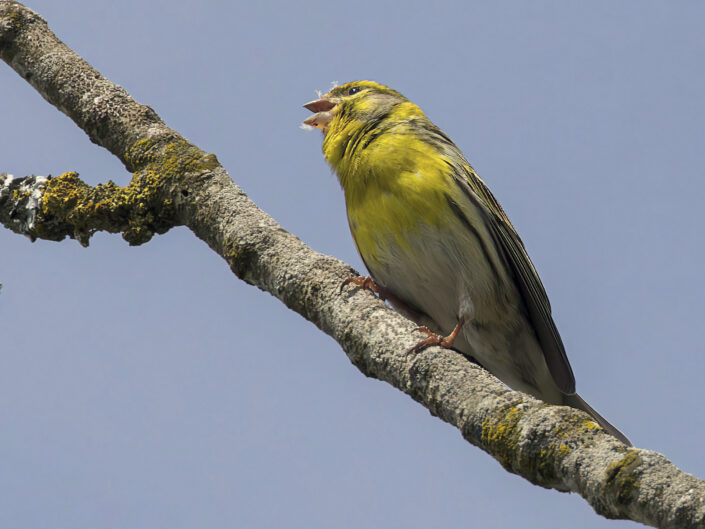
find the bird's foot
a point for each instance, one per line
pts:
(367, 283)
(436, 339)
(384, 294)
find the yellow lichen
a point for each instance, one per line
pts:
(500, 436)
(622, 479)
(563, 451)
(82, 209)
(172, 160)
(138, 210)
(14, 15)
(240, 258)
(589, 424)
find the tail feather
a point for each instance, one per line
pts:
(575, 401)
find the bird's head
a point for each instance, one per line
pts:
(358, 101)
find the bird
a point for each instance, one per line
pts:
(437, 244)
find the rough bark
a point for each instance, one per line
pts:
(175, 183)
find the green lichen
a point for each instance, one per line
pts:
(622, 479)
(542, 467)
(563, 451)
(241, 258)
(139, 210)
(171, 158)
(502, 438)
(589, 424)
(20, 195)
(70, 206)
(501, 435)
(14, 15)
(574, 423)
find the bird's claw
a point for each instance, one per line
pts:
(436, 339)
(365, 282)
(431, 339)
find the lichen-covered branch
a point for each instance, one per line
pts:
(65, 206)
(20, 202)
(55, 208)
(104, 110)
(162, 161)
(175, 183)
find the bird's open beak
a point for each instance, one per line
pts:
(323, 113)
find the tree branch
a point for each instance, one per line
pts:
(175, 183)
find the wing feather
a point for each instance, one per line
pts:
(529, 284)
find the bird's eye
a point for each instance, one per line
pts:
(354, 90)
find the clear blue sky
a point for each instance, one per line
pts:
(148, 387)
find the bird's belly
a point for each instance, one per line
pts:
(446, 275)
(442, 272)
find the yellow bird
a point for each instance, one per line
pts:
(437, 243)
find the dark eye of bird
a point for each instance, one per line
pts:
(354, 90)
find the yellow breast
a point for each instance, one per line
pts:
(399, 184)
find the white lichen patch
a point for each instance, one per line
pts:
(6, 180)
(20, 200)
(34, 192)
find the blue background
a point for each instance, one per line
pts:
(148, 387)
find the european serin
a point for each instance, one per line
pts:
(437, 243)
